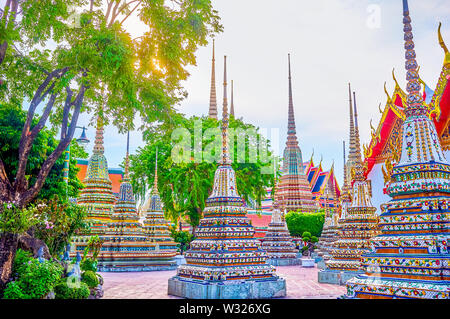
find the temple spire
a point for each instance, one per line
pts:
(155, 182)
(291, 118)
(352, 140)
(232, 100)
(212, 113)
(356, 113)
(345, 189)
(225, 152)
(359, 169)
(414, 101)
(98, 144)
(126, 175)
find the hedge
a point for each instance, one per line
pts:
(299, 222)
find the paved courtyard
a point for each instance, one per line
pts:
(301, 284)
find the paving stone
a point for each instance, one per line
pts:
(301, 284)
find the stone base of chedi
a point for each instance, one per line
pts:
(245, 289)
(128, 246)
(307, 262)
(284, 261)
(336, 277)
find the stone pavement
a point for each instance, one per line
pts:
(301, 284)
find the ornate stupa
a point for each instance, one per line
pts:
(126, 245)
(212, 112)
(225, 260)
(277, 240)
(97, 195)
(386, 137)
(329, 232)
(358, 224)
(410, 258)
(294, 190)
(124, 238)
(156, 226)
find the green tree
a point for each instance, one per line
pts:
(61, 66)
(309, 242)
(12, 119)
(184, 238)
(185, 186)
(94, 66)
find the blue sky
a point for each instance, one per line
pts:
(332, 42)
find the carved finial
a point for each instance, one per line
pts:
(389, 100)
(372, 128)
(379, 108)
(441, 40)
(397, 86)
(444, 47)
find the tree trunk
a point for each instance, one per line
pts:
(8, 247)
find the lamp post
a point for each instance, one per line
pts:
(83, 140)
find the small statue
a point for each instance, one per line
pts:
(66, 254)
(75, 270)
(78, 259)
(40, 254)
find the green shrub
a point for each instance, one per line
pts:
(82, 292)
(76, 291)
(88, 265)
(14, 291)
(22, 257)
(59, 220)
(306, 234)
(90, 278)
(314, 239)
(34, 279)
(298, 223)
(62, 290)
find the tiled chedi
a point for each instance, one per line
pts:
(225, 260)
(410, 258)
